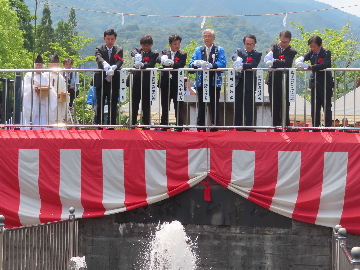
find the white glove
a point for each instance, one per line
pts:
(299, 60)
(168, 62)
(106, 66)
(138, 64)
(269, 63)
(269, 57)
(197, 63)
(110, 71)
(163, 58)
(206, 65)
(302, 65)
(238, 62)
(138, 57)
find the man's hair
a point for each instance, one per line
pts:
(249, 36)
(110, 32)
(212, 32)
(174, 37)
(315, 39)
(68, 60)
(146, 40)
(285, 34)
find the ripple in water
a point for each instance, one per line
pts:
(170, 249)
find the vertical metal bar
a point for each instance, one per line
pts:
(2, 232)
(344, 98)
(284, 101)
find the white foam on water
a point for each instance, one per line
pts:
(170, 249)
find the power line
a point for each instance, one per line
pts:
(198, 16)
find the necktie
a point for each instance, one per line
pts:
(316, 56)
(109, 53)
(172, 55)
(207, 54)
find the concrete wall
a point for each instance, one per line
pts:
(117, 241)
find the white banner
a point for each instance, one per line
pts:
(181, 85)
(206, 86)
(259, 88)
(231, 86)
(153, 85)
(292, 84)
(122, 85)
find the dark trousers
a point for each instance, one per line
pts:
(244, 104)
(214, 94)
(144, 96)
(104, 93)
(168, 94)
(276, 100)
(72, 96)
(318, 101)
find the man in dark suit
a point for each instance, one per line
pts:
(172, 58)
(281, 55)
(247, 58)
(209, 56)
(320, 59)
(144, 58)
(110, 58)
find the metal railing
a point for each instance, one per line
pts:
(341, 258)
(344, 102)
(44, 246)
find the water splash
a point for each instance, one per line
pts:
(171, 249)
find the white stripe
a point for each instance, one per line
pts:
(333, 189)
(30, 204)
(242, 174)
(287, 186)
(198, 162)
(113, 179)
(70, 182)
(155, 175)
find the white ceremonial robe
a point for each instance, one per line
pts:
(43, 109)
(57, 81)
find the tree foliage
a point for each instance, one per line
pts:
(44, 32)
(24, 21)
(12, 53)
(344, 48)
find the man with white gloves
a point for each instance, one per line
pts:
(320, 59)
(209, 56)
(110, 58)
(144, 58)
(280, 55)
(171, 58)
(245, 58)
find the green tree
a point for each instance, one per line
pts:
(25, 18)
(12, 53)
(344, 52)
(344, 48)
(65, 33)
(45, 33)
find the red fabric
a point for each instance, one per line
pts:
(186, 159)
(281, 56)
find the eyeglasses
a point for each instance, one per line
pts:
(284, 42)
(249, 44)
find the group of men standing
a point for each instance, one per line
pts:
(211, 57)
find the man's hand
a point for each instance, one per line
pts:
(138, 57)
(168, 62)
(163, 58)
(269, 57)
(197, 63)
(206, 65)
(106, 66)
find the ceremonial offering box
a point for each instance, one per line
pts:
(62, 97)
(44, 90)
